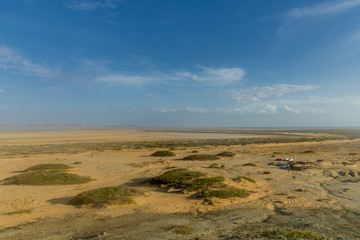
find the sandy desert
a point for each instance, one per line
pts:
(318, 196)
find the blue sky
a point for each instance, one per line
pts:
(163, 63)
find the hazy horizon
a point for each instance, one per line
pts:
(233, 64)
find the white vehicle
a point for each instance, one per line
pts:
(286, 159)
(290, 160)
(284, 166)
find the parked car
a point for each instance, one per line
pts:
(290, 160)
(271, 163)
(278, 159)
(278, 164)
(284, 166)
(286, 159)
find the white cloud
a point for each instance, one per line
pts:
(270, 108)
(11, 60)
(254, 108)
(122, 79)
(91, 5)
(208, 76)
(213, 76)
(196, 110)
(1, 90)
(257, 93)
(332, 7)
(164, 110)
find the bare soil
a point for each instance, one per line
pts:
(322, 197)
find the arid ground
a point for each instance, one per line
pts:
(319, 195)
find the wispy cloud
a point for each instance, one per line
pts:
(122, 79)
(207, 76)
(257, 93)
(196, 110)
(258, 108)
(91, 5)
(332, 7)
(1, 90)
(13, 61)
(214, 76)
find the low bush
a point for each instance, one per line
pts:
(224, 193)
(49, 166)
(290, 234)
(250, 164)
(22, 211)
(43, 177)
(309, 151)
(163, 154)
(238, 179)
(202, 183)
(175, 178)
(226, 154)
(182, 229)
(216, 165)
(201, 157)
(105, 196)
(191, 181)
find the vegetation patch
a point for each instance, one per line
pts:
(290, 234)
(49, 166)
(175, 178)
(250, 164)
(309, 151)
(240, 178)
(23, 211)
(226, 154)
(266, 172)
(182, 229)
(224, 193)
(47, 177)
(325, 200)
(171, 167)
(192, 181)
(202, 183)
(216, 165)
(201, 157)
(118, 195)
(163, 154)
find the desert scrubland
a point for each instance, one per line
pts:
(241, 194)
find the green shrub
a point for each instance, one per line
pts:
(224, 193)
(182, 229)
(309, 151)
(163, 154)
(214, 165)
(250, 164)
(22, 211)
(202, 183)
(171, 167)
(249, 179)
(49, 166)
(175, 178)
(103, 196)
(50, 177)
(290, 234)
(226, 154)
(238, 179)
(266, 172)
(201, 157)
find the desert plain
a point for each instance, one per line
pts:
(318, 196)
